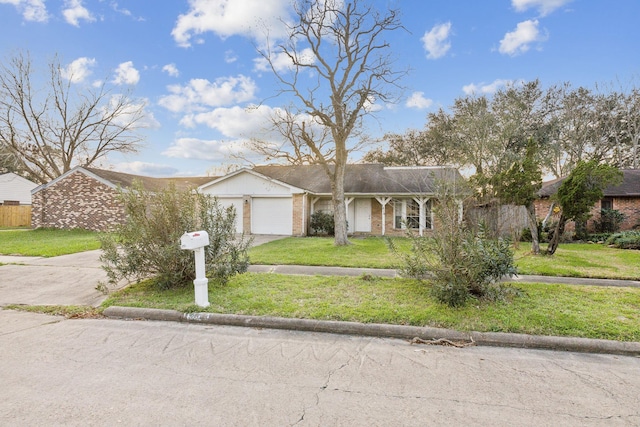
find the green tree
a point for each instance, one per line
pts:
(519, 185)
(148, 244)
(579, 192)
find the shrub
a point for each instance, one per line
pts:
(610, 220)
(459, 263)
(148, 244)
(323, 223)
(625, 240)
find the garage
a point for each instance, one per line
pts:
(237, 203)
(271, 215)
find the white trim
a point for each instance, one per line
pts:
(294, 190)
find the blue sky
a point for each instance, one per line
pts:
(196, 66)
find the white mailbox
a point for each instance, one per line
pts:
(194, 240)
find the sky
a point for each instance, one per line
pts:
(195, 63)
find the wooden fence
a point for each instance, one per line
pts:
(15, 216)
(502, 220)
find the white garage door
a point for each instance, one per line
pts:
(271, 215)
(237, 202)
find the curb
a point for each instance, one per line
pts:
(493, 339)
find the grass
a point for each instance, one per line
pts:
(369, 252)
(47, 242)
(581, 260)
(560, 310)
(571, 260)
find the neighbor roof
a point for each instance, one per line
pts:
(126, 180)
(365, 178)
(630, 186)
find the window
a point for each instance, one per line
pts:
(406, 214)
(606, 204)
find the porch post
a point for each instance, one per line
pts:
(383, 202)
(421, 201)
(347, 202)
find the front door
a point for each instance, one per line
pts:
(362, 216)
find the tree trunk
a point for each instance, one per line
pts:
(339, 207)
(559, 231)
(533, 226)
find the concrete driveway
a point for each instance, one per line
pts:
(62, 280)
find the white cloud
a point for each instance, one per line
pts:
(78, 70)
(146, 169)
(436, 41)
(234, 122)
(171, 69)
(489, 88)
(230, 57)
(132, 111)
(199, 94)
(417, 100)
(74, 11)
(282, 62)
(519, 40)
(126, 74)
(225, 18)
(202, 149)
(31, 10)
(544, 7)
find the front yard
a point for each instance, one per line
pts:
(571, 260)
(542, 309)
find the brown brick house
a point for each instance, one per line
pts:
(624, 198)
(87, 198)
(379, 200)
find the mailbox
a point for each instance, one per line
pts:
(194, 240)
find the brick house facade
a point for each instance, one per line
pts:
(624, 198)
(88, 198)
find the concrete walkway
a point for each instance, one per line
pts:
(355, 272)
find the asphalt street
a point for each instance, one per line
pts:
(115, 372)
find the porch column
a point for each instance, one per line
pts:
(347, 202)
(421, 201)
(383, 202)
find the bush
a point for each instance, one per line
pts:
(148, 244)
(459, 263)
(323, 223)
(625, 240)
(610, 220)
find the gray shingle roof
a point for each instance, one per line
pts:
(630, 186)
(126, 180)
(365, 178)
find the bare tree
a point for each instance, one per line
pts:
(50, 130)
(341, 45)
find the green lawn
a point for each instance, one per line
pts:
(572, 260)
(47, 242)
(561, 310)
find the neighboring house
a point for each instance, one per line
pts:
(624, 198)
(380, 200)
(15, 190)
(88, 198)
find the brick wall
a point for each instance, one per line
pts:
(300, 214)
(77, 201)
(629, 206)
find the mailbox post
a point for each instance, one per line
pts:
(196, 241)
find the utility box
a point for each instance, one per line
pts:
(194, 240)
